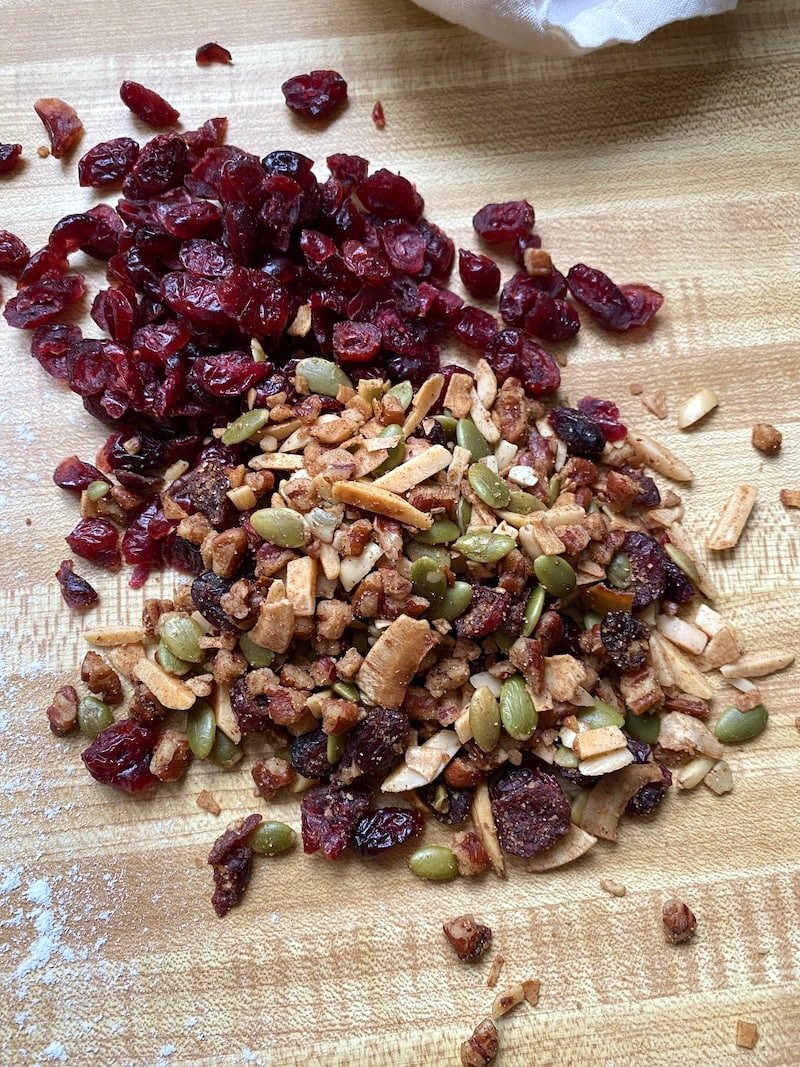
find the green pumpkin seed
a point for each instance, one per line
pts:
(593, 508)
(533, 611)
(201, 729)
(93, 716)
(643, 727)
(469, 436)
(456, 600)
(618, 571)
(518, 715)
(484, 719)
(280, 526)
(361, 642)
(463, 514)
(590, 619)
(448, 424)
(271, 838)
(180, 634)
(684, 562)
(224, 752)
(97, 490)
(522, 503)
(323, 376)
(442, 532)
(489, 487)
(440, 800)
(735, 726)
(601, 714)
(416, 550)
(555, 574)
(347, 691)
(503, 641)
(553, 489)
(565, 757)
(170, 662)
(404, 392)
(335, 747)
(434, 863)
(483, 546)
(255, 655)
(429, 580)
(246, 425)
(396, 454)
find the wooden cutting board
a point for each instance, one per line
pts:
(673, 163)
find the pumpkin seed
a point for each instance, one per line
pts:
(517, 713)
(484, 718)
(94, 716)
(503, 641)
(429, 580)
(522, 503)
(553, 489)
(682, 561)
(601, 714)
(224, 752)
(170, 662)
(448, 424)
(280, 526)
(489, 487)
(618, 572)
(434, 863)
(404, 392)
(735, 726)
(593, 508)
(347, 691)
(456, 600)
(397, 453)
(483, 546)
(201, 729)
(555, 574)
(442, 532)
(470, 437)
(335, 747)
(463, 514)
(323, 376)
(180, 634)
(643, 727)
(533, 611)
(246, 425)
(255, 655)
(271, 838)
(440, 800)
(97, 490)
(565, 757)
(591, 618)
(415, 550)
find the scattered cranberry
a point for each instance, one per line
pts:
(9, 157)
(43, 300)
(120, 756)
(328, 818)
(315, 95)
(108, 163)
(14, 253)
(579, 432)
(96, 540)
(76, 475)
(147, 105)
(64, 128)
(476, 327)
(386, 828)
(389, 195)
(356, 342)
(615, 307)
(606, 414)
(78, 594)
(500, 223)
(210, 53)
(378, 116)
(530, 809)
(480, 275)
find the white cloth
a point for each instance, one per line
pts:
(570, 27)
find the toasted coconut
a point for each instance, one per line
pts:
(423, 763)
(681, 633)
(380, 501)
(224, 714)
(596, 742)
(301, 586)
(166, 688)
(719, 779)
(607, 801)
(483, 821)
(685, 733)
(723, 648)
(575, 843)
(684, 674)
(123, 659)
(393, 660)
(605, 762)
(757, 664)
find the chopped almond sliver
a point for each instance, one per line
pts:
(277, 461)
(424, 399)
(416, 470)
(224, 714)
(370, 497)
(171, 691)
(757, 665)
(659, 457)
(504, 1002)
(494, 971)
(301, 586)
(595, 742)
(458, 397)
(485, 828)
(125, 657)
(109, 636)
(459, 465)
(485, 383)
(670, 662)
(393, 660)
(483, 421)
(732, 520)
(206, 801)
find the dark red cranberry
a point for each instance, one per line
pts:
(96, 540)
(439, 250)
(551, 319)
(498, 223)
(315, 95)
(647, 560)
(606, 414)
(210, 53)
(142, 541)
(60, 120)
(206, 258)
(480, 275)
(485, 614)
(374, 746)
(210, 135)
(120, 756)
(162, 165)
(510, 354)
(378, 831)
(14, 253)
(43, 300)
(580, 433)
(207, 590)
(643, 301)
(147, 105)
(328, 818)
(113, 312)
(43, 263)
(625, 639)
(76, 475)
(608, 303)
(378, 116)
(441, 307)
(309, 755)
(9, 157)
(356, 342)
(76, 591)
(348, 169)
(390, 196)
(476, 327)
(448, 805)
(256, 301)
(365, 263)
(648, 798)
(404, 246)
(51, 346)
(108, 163)
(530, 809)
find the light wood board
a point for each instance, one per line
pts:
(673, 163)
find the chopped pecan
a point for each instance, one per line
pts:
(228, 666)
(101, 679)
(448, 673)
(296, 677)
(767, 439)
(389, 535)
(511, 408)
(349, 665)
(432, 497)
(481, 1049)
(270, 559)
(171, 756)
(145, 707)
(640, 689)
(527, 656)
(677, 701)
(352, 540)
(470, 853)
(468, 938)
(323, 671)
(206, 801)
(679, 922)
(241, 601)
(338, 716)
(333, 617)
(271, 774)
(63, 711)
(152, 611)
(227, 551)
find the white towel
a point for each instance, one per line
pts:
(570, 27)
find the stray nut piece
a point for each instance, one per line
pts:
(746, 1034)
(63, 712)
(481, 1048)
(616, 889)
(679, 922)
(206, 801)
(767, 438)
(504, 1002)
(468, 938)
(790, 498)
(494, 971)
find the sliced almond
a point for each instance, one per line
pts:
(302, 322)
(108, 636)
(696, 407)
(224, 714)
(692, 773)
(574, 844)
(171, 691)
(485, 383)
(330, 562)
(276, 461)
(424, 399)
(732, 520)
(485, 828)
(681, 633)
(678, 536)
(123, 659)
(381, 502)
(757, 664)
(659, 457)
(415, 470)
(459, 465)
(615, 889)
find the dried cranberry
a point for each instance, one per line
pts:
(476, 327)
(96, 540)
(643, 301)
(510, 354)
(378, 116)
(147, 105)
(231, 861)
(14, 253)
(497, 223)
(485, 614)
(374, 746)
(608, 303)
(43, 263)
(404, 246)
(647, 799)
(315, 95)
(606, 414)
(356, 342)
(196, 298)
(309, 755)
(366, 263)
(258, 303)
(580, 433)
(647, 494)
(76, 591)
(76, 475)
(132, 451)
(448, 805)
(386, 828)
(348, 169)
(480, 275)
(120, 756)
(647, 567)
(227, 374)
(62, 124)
(677, 586)
(162, 165)
(439, 249)
(143, 537)
(43, 300)
(207, 590)
(212, 53)
(530, 809)
(9, 157)
(328, 818)
(390, 196)
(625, 639)
(210, 135)
(51, 346)
(108, 163)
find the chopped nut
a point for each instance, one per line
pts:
(481, 1049)
(101, 678)
(270, 775)
(468, 938)
(732, 520)
(719, 779)
(107, 637)
(227, 551)
(275, 624)
(616, 889)
(504, 1002)
(767, 439)
(537, 262)
(424, 399)
(659, 457)
(790, 498)
(206, 801)
(171, 756)
(63, 712)
(494, 971)
(485, 828)
(655, 402)
(415, 470)
(458, 397)
(696, 407)
(757, 664)
(380, 501)
(152, 611)
(470, 854)
(746, 1034)
(749, 700)
(679, 922)
(530, 990)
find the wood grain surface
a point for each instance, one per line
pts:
(674, 163)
